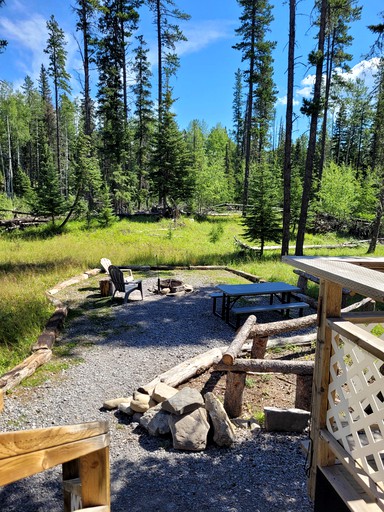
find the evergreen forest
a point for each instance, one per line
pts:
(118, 150)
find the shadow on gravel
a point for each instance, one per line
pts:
(265, 474)
(155, 321)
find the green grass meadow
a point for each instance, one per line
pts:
(32, 262)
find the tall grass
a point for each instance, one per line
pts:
(33, 262)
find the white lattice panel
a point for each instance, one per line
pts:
(355, 413)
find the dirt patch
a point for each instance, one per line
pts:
(261, 390)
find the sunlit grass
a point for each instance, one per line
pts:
(33, 262)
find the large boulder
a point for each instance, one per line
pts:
(186, 400)
(190, 431)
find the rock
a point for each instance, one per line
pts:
(223, 431)
(141, 402)
(250, 424)
(125, 407)
(190, 431)
(186, 400)
(285, 420)
(155, 420)
(114, 403)
(137, 417)
(163, 392)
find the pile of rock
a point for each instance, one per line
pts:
(184, 414)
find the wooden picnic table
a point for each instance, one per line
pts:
(233, 292)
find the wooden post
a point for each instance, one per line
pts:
(259, 346)
(95, 478)
(330, 296)
(233, 398)
(303, 397)
(70, 490)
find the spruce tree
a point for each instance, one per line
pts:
(172, 172)
(144, 119)
(263, 220)
(57, 69)
(49, 199)
(257, 53)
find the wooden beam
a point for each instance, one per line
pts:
(267, 366)
(330, 296)
(235, 347)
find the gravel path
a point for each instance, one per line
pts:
(123, 347)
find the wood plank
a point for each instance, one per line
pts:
(353, 497)
(354, 470)
(330, 296)
(102, 508)
(26, 441)
(95, 478)
(364, 281)
(21, 466)
(235, 347)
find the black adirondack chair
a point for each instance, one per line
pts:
(121, 286)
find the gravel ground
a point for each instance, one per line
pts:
(123, 347)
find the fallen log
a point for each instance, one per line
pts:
(267, 366)
(301, 339)
(48, 337)
(295, 324)
(24, 369)
(185, 370)
(235, 347)
(278, 247)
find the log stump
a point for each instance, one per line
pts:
(106, 287)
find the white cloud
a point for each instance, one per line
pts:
(203, 34)
(199, 36)
(365, 70)
(283, 101)
(307, 86)
(29, 37)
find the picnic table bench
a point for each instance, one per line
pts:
(254, 309)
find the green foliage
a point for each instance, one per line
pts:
(263, 220)
(106, 216)
(216, 233)
(337, 195)
(49, 199)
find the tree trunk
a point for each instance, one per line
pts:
(309, 162)
(288, 130)
(248, 120)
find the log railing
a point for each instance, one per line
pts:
(237, 368)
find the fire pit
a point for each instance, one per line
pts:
(173, 285)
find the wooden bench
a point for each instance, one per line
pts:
(215, 296)
(252, 310)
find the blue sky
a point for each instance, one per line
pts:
(205, 80)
